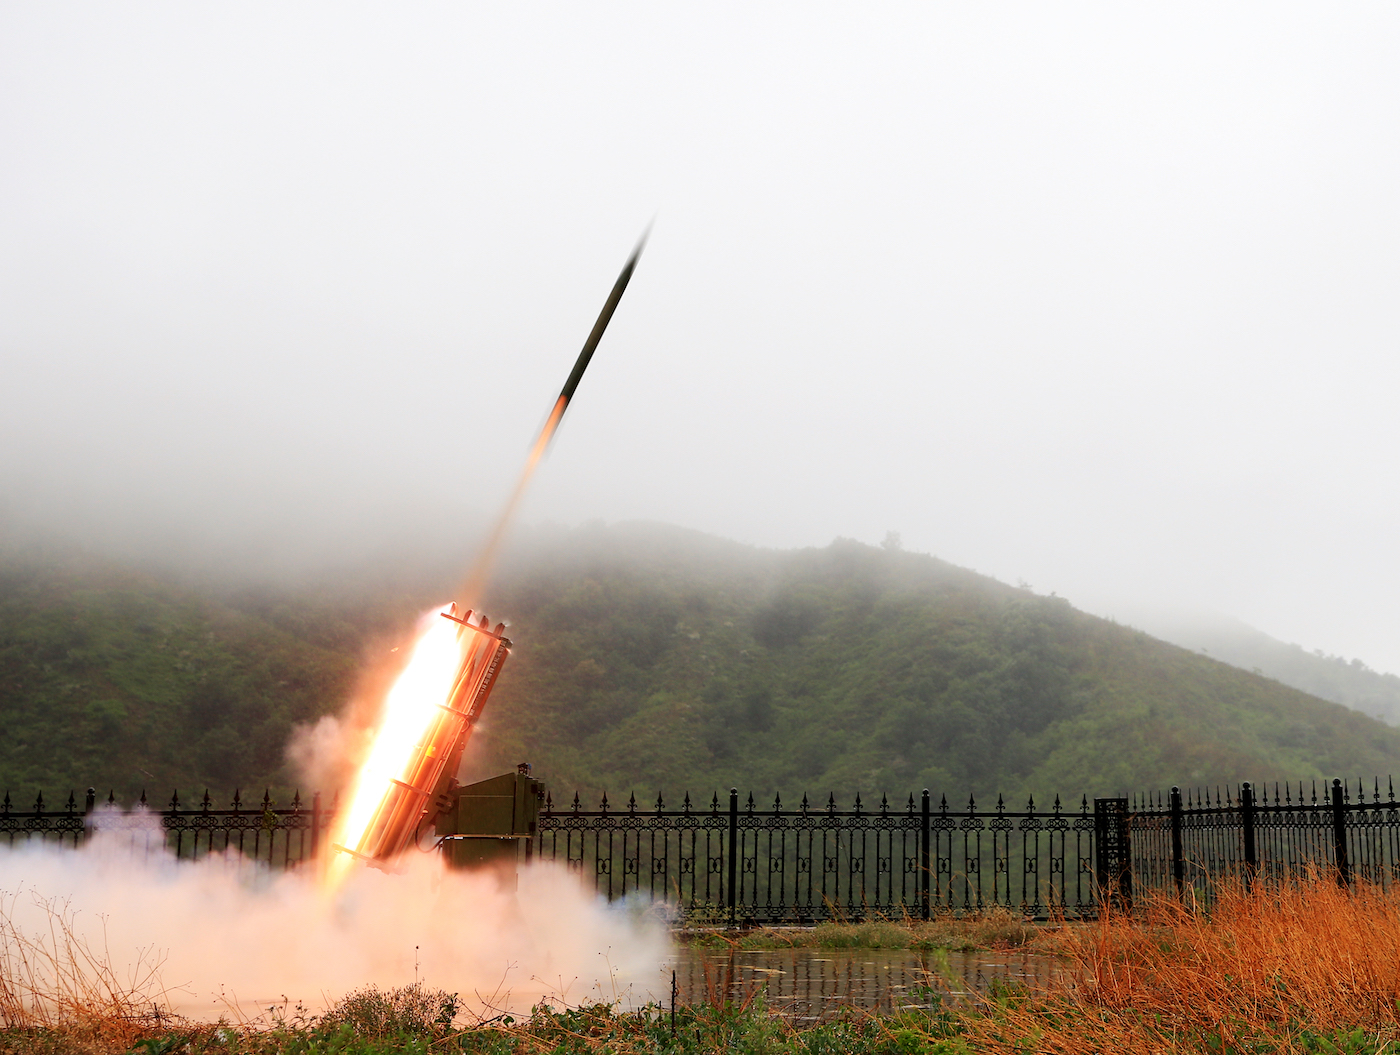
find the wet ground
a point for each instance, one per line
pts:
(809, 984)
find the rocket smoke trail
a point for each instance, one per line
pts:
(476, 579)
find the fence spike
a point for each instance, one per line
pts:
(205, 804)
(143, 797)
(971, 804)
(1057, 802)
(72, 802)
(7, 800)
(1030, 804)
(576, 803)
(685, 806)
(804, 802)
(111, 797)
(831, 802)
(857, 802)
(632, 803)
(1391, 780)
(749, 804)
(237, 800)
(885, 803)
(660, 805)
(605, 802)
(911, 802)
(1000, 808)
(1084, 803)
(777, 803)
(39, 802)
(714, 803)
(175, 799)
(548, 802)
(296, 800)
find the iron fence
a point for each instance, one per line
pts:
(747, 865)
(1190, 840)
(282, 837)
(733, 862)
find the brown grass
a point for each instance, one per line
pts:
(1269, 969)
(54, 978)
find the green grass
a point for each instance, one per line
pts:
(419, 1022)
(995, 929)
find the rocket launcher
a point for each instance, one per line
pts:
(411, 805)
(414, 802)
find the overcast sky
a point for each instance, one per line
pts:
(1101, 298)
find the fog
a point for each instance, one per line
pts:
(1097, 299)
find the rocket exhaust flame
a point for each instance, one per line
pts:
(476, 580)
(433, 706)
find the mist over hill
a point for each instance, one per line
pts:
(1346, 681)
(650, 659)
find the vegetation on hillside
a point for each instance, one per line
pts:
(654, 660)
(1346, 681)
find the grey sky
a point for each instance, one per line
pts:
(1098, 297)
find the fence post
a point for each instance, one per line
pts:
(1339, 833)
(315, 823)
(733, 851)
(1247, 820)
(923, 860)
(1178, 858)
(1112, 850)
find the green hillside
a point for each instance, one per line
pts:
(1335, 678)
(116, 679)
(650, 658)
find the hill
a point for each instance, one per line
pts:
(857, 668)
(1345, 681)
(651, 658)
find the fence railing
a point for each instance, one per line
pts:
(733, 862)
(746, 864)
(1189, 841)
(282, 837)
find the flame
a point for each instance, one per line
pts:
(409, 708)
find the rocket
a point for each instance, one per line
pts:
(412, 802)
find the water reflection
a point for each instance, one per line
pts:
(813, 984)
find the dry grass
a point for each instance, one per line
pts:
(1274, 969)
(52, 977)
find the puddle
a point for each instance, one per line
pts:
(813, 984)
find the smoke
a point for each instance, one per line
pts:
(326, 753)
(232, 938)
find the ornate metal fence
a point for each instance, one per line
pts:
(1190, 841)
(746, 864)
(739, 863)
(282, 837)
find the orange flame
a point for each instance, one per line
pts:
(409, 709)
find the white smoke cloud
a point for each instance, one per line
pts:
(234, 938)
